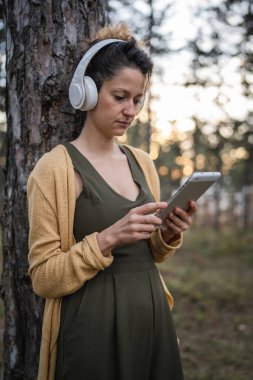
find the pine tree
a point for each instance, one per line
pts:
(44, 43)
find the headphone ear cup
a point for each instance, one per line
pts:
(90, 94)
(76, 95)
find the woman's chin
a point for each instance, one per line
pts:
(120, 132)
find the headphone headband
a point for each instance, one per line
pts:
(81, 86)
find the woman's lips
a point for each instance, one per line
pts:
(126, 123)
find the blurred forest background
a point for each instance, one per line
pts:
(198, 117)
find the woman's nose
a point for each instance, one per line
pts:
(130, 109)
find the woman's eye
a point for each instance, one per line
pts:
(138, 101)
(119, 98)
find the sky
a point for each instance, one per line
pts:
(176, 102)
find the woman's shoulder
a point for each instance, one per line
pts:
(51, 165)
(50, 160)
(53, 174)
(50, 156)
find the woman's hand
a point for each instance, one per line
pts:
(136, 225)
(178, 221)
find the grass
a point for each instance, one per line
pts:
(211, 278)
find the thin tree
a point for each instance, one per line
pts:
(227, 40)
(44, 40)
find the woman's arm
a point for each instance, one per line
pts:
(162, 250)
(56, 273)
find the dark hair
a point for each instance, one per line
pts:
(113, 57)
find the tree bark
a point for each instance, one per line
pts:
(45, 40)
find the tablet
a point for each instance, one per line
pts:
(192, 189)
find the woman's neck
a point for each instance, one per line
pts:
(93, 145)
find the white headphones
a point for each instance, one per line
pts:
(83, 94)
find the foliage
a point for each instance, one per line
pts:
(146, 21)
(225, 142)
(225, 242)
(224, 46)
(211, 279)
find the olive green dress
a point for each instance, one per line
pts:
(118, 326)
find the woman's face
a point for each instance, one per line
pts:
(119, 101)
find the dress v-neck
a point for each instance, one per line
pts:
(101, 178)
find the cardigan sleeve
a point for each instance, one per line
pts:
(161, 250)
(56, 273)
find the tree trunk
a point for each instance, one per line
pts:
(217, 192)
(247, 211)
(44, 43)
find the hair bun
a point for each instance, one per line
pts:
(119, 31)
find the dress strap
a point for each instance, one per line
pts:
(137, 172)
(82, 166)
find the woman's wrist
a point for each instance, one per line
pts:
(169, 236)
(106, 241)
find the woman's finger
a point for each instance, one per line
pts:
(183, 215)
(192, 208)
(148, 208)
(182, 224)
(173, 227)
(152, 219)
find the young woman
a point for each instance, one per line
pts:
(93, 233)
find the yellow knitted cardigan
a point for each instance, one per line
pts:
(58, 265)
